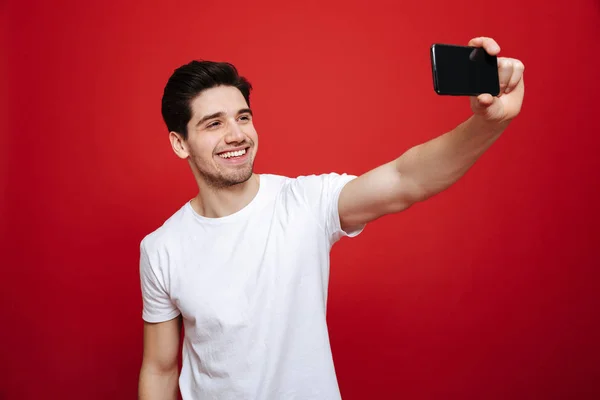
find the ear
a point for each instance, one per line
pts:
(178, 144)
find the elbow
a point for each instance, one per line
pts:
(420, 193)
(160, 367)
(413, 192)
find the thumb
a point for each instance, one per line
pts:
(487, 106)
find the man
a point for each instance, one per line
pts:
(244, 265)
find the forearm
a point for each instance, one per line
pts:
(158, 384)
(435, 165)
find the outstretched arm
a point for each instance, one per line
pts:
(432, 167)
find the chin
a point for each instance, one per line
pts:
(227, 179)
(243, 176)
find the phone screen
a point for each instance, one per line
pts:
(464, 70)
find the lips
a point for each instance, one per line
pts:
(233, 153)
(236, 155)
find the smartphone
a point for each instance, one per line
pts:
(463, 70)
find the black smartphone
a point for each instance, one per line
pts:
(463, 70)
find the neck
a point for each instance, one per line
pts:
(217, 203)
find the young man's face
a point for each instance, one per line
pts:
(222, 141)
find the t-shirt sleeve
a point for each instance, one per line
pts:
(157, 304)
(322, 193)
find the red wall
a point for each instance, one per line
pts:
(486, 291)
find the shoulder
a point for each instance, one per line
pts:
(166, 234)
(321, 184)
(274, 181)
(314, 191)
(329, 178)
(306, 186)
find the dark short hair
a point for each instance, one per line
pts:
(188, 81)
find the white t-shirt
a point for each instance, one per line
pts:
(252, 290)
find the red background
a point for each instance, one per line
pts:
(486, 291)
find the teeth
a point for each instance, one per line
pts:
(233, 153)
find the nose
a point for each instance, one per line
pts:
(234, 133)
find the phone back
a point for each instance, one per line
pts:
(464, 70)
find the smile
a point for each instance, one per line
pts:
(233, 154)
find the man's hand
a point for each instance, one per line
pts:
(507, 105)
(430, 168)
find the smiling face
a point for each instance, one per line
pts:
(221, 140)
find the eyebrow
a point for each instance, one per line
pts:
(221, 114)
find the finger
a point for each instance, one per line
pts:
(516, 77)
(485, 100)
(481, 103)
(478, 41)
(488, 106)
(505, 72)
(489, 44)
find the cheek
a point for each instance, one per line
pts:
(202, 149)
(252, 134)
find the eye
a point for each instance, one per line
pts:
(245, 117)
(213, 124)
